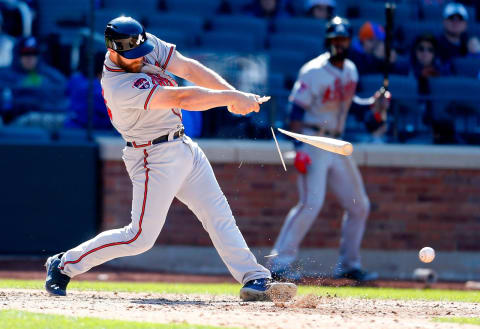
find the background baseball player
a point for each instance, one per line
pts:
(144, 105)
(320, 102)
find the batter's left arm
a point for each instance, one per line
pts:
(193, 71)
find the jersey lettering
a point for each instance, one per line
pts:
(161, 81)
(164, 81)
(339, 92)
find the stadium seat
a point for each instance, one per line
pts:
(474, 29)
(458, 98)
(67, 12)
(275, 81)
(309, 46)
(468, 67)
(203, 8)
(228, 41)
(309, 27)
(14, 134)
(286, 61)
(238, 5)
(376, 12)
(417, 28)
(103, 16)
(406, 113)
(243, 25)
(191, 25)
(71, 135)
(128, 6)
(181, 39)
(435, 13)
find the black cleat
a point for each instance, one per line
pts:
(56, 282)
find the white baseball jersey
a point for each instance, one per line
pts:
(326, 92)
(129, 110)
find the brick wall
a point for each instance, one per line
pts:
(410, 207)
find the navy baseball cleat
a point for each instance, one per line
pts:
(267, 290)
(358, 275)
(56, 282)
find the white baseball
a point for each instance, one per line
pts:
(426, 254)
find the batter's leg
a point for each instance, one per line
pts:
(202, 194)
(311, 190)
(156, 179)
(347, 185)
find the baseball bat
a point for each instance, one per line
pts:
(389, 10)
(328, 144)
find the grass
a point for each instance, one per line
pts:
(459, 320)
(11, 319)
(233, 289)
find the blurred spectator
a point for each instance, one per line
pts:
(34, 86)
(369, 36)
(425, 64)
(320, 9)
(453, 41)
(6, 46)
(424, 60)
(473, 47)
(266, 9)
(368, 51)
(78, 88)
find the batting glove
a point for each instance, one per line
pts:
(302, 161)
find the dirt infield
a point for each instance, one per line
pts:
(304, 312)
(34, 270)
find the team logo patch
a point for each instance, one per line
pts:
(141, 83)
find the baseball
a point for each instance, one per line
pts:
(426, 254)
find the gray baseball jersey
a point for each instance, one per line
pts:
(159, 173)
(128, 96)
(325, 92)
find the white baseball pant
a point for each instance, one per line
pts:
(344, 179)
(159, 173)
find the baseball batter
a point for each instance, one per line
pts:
(144, 105)
(320, 102)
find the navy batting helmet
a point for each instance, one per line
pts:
(127, 37)
(338, 27)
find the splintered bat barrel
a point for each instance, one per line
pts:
(389, 11)
(328, 144)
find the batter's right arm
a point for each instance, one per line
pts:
(202, 99)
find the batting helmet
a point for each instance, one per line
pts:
(127, 37)
(338, 27)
